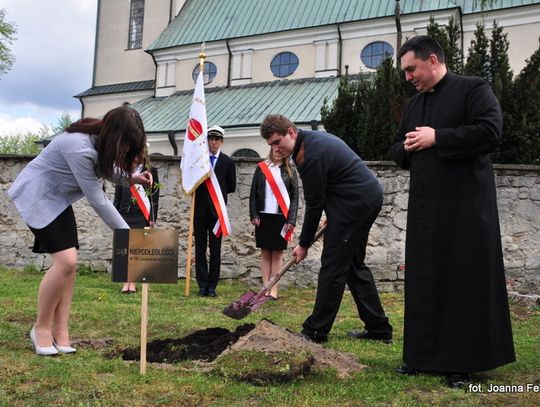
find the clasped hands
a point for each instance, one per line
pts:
(420, 139)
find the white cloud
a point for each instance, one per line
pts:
(29, 118)
(17, 125)
(54, 53)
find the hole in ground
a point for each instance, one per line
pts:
(205, 345)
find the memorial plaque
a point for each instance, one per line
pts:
(145, 256)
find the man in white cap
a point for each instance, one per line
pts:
(206, 216)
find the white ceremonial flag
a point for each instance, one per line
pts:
(195, 164)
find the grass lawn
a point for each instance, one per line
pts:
(88, 378)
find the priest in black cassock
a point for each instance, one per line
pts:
(457, 319)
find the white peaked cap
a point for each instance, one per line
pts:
(216, 130)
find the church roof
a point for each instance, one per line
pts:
(118, 88)
(213, 20)
(241, 106)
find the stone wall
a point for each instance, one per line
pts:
(519, 206)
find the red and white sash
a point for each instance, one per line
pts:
(223, 226)
(282, 196)
(142, 200)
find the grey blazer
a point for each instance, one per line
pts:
(64, 172)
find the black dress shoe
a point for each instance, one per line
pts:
(457, 380)
(203, 292)
(314, 337)
(211, 292)
(366, 335)
(406, 370)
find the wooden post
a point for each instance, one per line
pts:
(189, 247)
(144, 326)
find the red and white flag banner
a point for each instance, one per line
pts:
(282, 196)
(222, 226)
(143, 202)
(195, 164)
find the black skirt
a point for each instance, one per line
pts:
(60, 234)
(268, 233)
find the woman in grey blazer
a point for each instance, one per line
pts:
(71, 167)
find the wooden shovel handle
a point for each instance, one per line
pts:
(289, 264)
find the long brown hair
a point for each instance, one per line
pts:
(285, 161)
(121, 139)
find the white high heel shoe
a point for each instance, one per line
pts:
(41, 350)
(64, 349)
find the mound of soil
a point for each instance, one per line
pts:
(269, 337)
(263, 368)
(266, 338)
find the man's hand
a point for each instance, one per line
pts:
(300, 253)
(256, 222)
(144, 178)
(420, 139)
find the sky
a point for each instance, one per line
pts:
(54, 53)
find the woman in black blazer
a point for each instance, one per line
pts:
(267, 216)
(129, 208)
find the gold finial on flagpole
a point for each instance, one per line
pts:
(202, 56)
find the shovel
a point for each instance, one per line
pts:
(252, 301)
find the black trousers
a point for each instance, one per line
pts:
(342, 263)
(207, 277)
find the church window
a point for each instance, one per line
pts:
(136, 19)
(210, 72)
(284, 64)
(374, 53)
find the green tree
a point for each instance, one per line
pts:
(449, 39)
(27, 143)
(501, 73)
(384, 106)
(478, 63)
(502, 85)
(521, 115)
(19, 144)
(339, 118)
(7, 36)
(364, 93)
(63, 122)
(367, 110)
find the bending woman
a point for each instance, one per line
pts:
(71, 167)
(273, 206)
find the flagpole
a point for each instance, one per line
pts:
(202, 57)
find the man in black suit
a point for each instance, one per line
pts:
(206, 215)
(337, 181)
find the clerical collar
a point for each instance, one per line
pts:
(439, 85)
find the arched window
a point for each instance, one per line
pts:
(210, 72)
(136, 20)
(284, 64)
(246, 152)
(373, 54)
